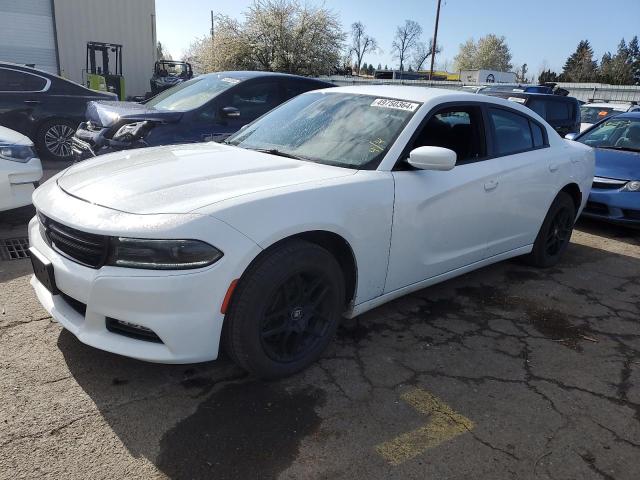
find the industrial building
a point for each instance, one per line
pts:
(53, 35)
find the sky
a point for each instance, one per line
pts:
(540, 33)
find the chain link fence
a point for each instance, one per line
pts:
(587, 92)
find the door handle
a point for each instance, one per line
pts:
(553, 167)
(491, 185)
(32, 102)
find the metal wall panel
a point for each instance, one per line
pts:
(126, 22)
(27, 34)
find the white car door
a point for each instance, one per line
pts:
(528, 179)
(442, 220)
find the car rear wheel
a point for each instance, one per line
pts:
(285, 310)
(54, 139)
(555, 233)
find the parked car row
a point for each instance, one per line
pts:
(481, 177)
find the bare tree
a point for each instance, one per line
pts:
(361, 43)
(422, 52)
(406, 39)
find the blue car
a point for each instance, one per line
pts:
(205, 108)
(615, 194)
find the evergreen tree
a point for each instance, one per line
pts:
(548, 76)
(617, 69)
(580, 66)
(634, 56)
(379, 67)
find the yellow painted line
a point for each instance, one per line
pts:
(444, 424)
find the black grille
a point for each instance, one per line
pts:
(131, 330)
(597, 208)
(85, 248)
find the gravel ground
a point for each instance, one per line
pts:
(506, 372)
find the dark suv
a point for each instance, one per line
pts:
(205, 108)
(562, 113)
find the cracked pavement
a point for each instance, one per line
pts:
(544, 363)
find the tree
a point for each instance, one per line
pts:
(371, 70)
(521, 75)
(422, 52)
(276, 35)
(361, 43)
(634, 55)
(379, 67)
(406, 39)
(490, 52)
(580, 66)
(386, 67)
(364, 67)
(617, 69)
(161, 54)
(547, 76)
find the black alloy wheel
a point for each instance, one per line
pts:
(554, 234)
(298, 318)
(285, 309)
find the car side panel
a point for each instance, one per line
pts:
(359, 208)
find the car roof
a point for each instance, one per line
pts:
(527, 95)
(249, 74)
(620, 107)
(635, 114)
(18, 66)
(403, 92)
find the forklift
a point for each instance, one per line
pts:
(105, 78)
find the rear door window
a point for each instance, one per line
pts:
(512, 133)
(16, 81)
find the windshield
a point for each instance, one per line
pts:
(172, 69)
(193, 93)
(616, 133)
(342, 129)
(594, 114)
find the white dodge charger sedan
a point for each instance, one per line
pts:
(332, 204)
(20, 169)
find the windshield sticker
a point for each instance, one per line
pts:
(516, 99)
(230, 80)
(377, 146)
(395, 104)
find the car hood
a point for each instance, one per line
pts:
(183, 178)
(107, 113)
(11, 137)
(618, 164)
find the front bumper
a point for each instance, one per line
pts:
(17, 182)
(614, 206)
(182, 308)
(89, 143)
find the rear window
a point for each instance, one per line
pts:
(538, 135)
(595, 114)
(16, 81)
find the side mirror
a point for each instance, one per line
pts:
(432, 158)
(571, 136)
(230, 112)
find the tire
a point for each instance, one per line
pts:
(53, 140)
(285, 310)
(555, 233)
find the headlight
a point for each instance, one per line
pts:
(131, 131)
(632, 186)
(162, 254)
(17, 153)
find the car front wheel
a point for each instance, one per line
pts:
(285, 310)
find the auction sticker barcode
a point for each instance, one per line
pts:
(396, 104)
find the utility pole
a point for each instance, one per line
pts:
(212, 27)
(435, 41)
